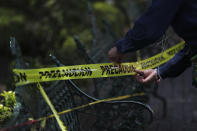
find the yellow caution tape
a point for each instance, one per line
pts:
(61, 124)
(93, 103)
(27, 76)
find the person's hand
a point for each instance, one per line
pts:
(146, 76)
(114, 55)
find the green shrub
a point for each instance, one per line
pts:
(6, 105)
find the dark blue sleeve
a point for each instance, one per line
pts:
(178, 63)
(151, 26)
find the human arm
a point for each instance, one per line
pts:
(148, 28)
(178, 64)
(173, 68)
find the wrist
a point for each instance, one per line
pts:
(158, 77)
(120, 46)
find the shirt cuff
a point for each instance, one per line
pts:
(158, 73)
(119, 45)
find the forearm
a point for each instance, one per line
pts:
(178, 63)
(150, 26)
